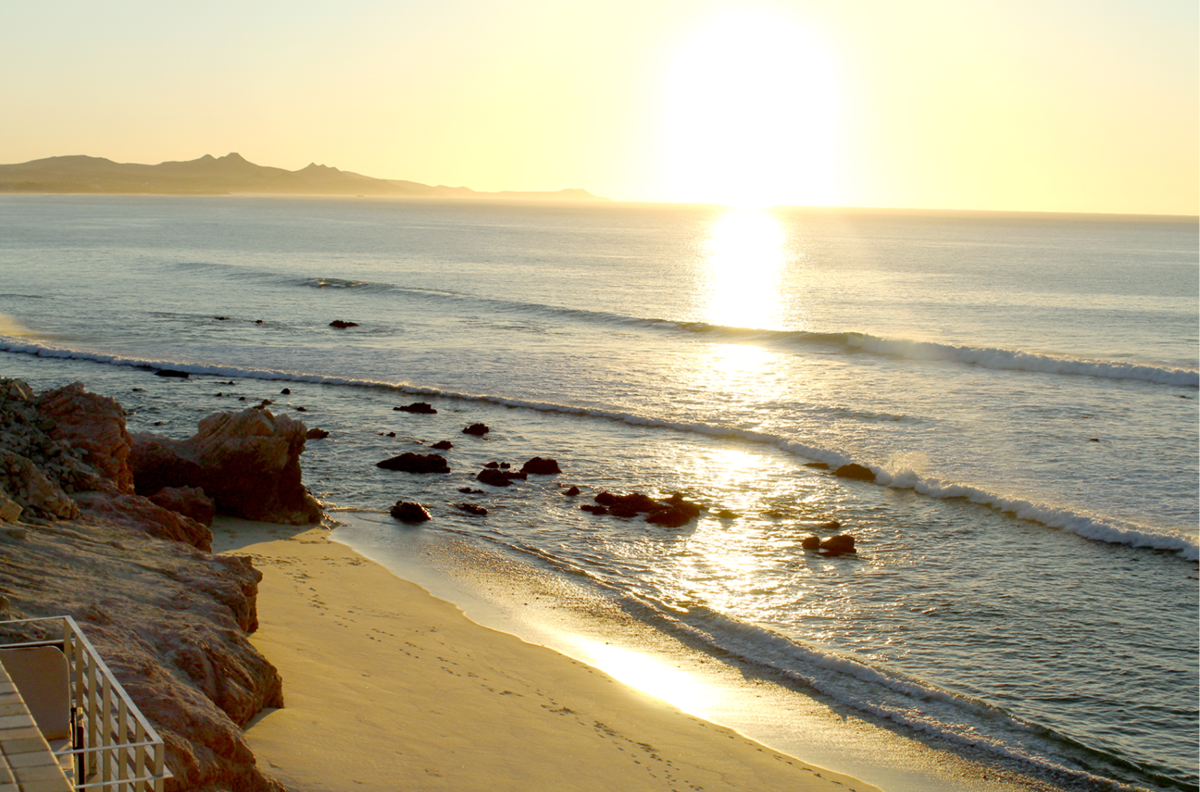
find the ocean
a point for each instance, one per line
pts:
(1023, 387)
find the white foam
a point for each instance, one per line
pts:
(1087, 526)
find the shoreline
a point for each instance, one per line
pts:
(455, 705)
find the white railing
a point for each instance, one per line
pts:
(114, 747)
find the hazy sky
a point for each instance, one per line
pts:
(1058, 105)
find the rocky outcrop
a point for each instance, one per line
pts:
(248, 462)
(171, 623)
(169, 619)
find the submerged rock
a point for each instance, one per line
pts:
(477, 429)
(443, 445)
(418, 408)
(342, 325)
(471, 508)
(416, 463)
(856, 472)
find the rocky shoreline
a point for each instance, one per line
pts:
(113, 530)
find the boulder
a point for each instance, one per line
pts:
(493, 477)
(811, 543)
(837, 545)
(416, 463)
(188, 501)
(541, 467)
(471, 508)
(443, 445)
(248, 462)
(832, 525)
(409, 512)
(572, 492)
(342, 325)
(477, 429)
(316, 434)
(176, 373)
(856, 472)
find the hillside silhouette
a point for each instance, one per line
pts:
(228, 175)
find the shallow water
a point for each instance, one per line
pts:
(1025, 389)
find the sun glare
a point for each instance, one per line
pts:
(746, 251)
(751, 115)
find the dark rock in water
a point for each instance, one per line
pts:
(837, 545)
(471, 508)
(416, 463)
(258, 321)
(671, 517)
(286, 392)
(469, 491)
(301, 409)
(816, 465)
(505, 466)
(492, 465)
(856, 472)
(725, 514)
(832, 525)
(443, 445)
(674, 511)
(390, 434)
(316, 434)
(477, 429)
(1093, 439)
(633, 503)
(171, 373)
(594, 508)
(409, 512)
(492, 477)
(676, 501)
(418, 408)
(572, 492)
(541, 467)
(222, 318)
(811, 543)
(340, 325)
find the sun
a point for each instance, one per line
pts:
(751, 114)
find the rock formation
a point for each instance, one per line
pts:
(409, 512)
(168, 618)
(248, 462)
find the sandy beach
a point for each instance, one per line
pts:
(388, 687)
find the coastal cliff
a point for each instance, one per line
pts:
(169, 618)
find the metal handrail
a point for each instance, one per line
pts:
(120, 750)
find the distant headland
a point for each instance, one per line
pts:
(230, 175)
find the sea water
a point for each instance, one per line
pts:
(1023, 388)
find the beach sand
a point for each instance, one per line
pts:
(388, 687)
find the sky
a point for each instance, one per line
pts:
(1027, 105)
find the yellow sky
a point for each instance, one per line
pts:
(1053, 105)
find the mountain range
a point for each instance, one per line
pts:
(228, 175)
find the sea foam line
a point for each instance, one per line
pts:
(1083, 525)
